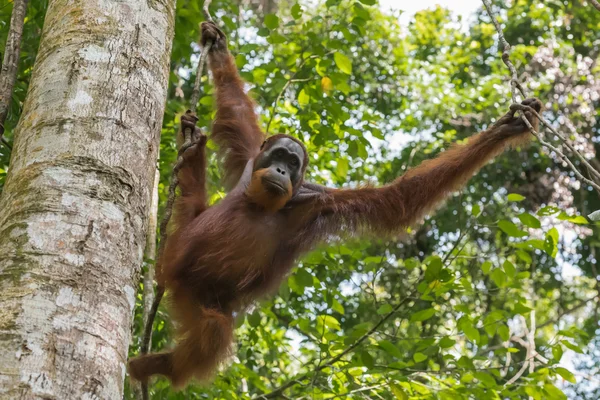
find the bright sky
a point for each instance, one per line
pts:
(458, 7)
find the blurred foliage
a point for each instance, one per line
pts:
(444, 312)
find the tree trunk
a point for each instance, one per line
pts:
(74, 208)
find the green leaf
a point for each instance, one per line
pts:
(304, 278)
(369, 2)
(271, 21)
(296, 11)
(422, 315)
(446, 342)
(367, 359)
(572, 346)
(398, 392)
(254, 319)
(328, 321)
(303, 98)
(343, 63)
(503, 332)
(499, 277)
(530, 221)
(486, 266)
(515, 197)
(476, 210)
(434, 267)
(419, 357)
(557, 352)
(547, 211)
(391, 349)
(553, 393)
(566, 374)
(509, 268)
(510, 228)
(524, 256)
(551, 242)
(485, 378)
(576, 219)
(385, 309)
(472, 333)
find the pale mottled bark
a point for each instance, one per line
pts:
(150, 252)
(74, 209)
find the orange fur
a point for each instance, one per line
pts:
(259, 195)
(221, 259)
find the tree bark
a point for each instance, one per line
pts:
(73, 214)
(10, 63)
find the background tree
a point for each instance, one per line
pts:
(75, 204)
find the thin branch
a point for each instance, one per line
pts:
(10, 64)
(579, 305)
(279, 391)
(516, 85)
(199, 70)
(4, 141)
(595, 3)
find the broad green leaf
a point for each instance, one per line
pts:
(499, 277)
(422, 315)
(419, 357)
(524, 256)
(254, 319)
(367, 359)
(551, 243)
(515, 197)
(476, 210)
(509, 268)
(369, 2)
(398, 392)
(296, 11)
(486, 266)
(572, 346)
(530, 221)
(303, 98)
(576, 219)
(503, 332)
(385, 309)
(510, 228)
(553, 393)
(557, 352)
(391, 349)
(566, 374)
(446, 342)
(328, 321)
(547, 211)
(472, 333)
(271, 21)
(343, 63)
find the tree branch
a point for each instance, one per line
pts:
(10, 64)
(516, 85)
(279, 391)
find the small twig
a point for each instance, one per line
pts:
(199, 70)
(10, 64)
(4, 141)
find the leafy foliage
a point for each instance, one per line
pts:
(446, 311)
